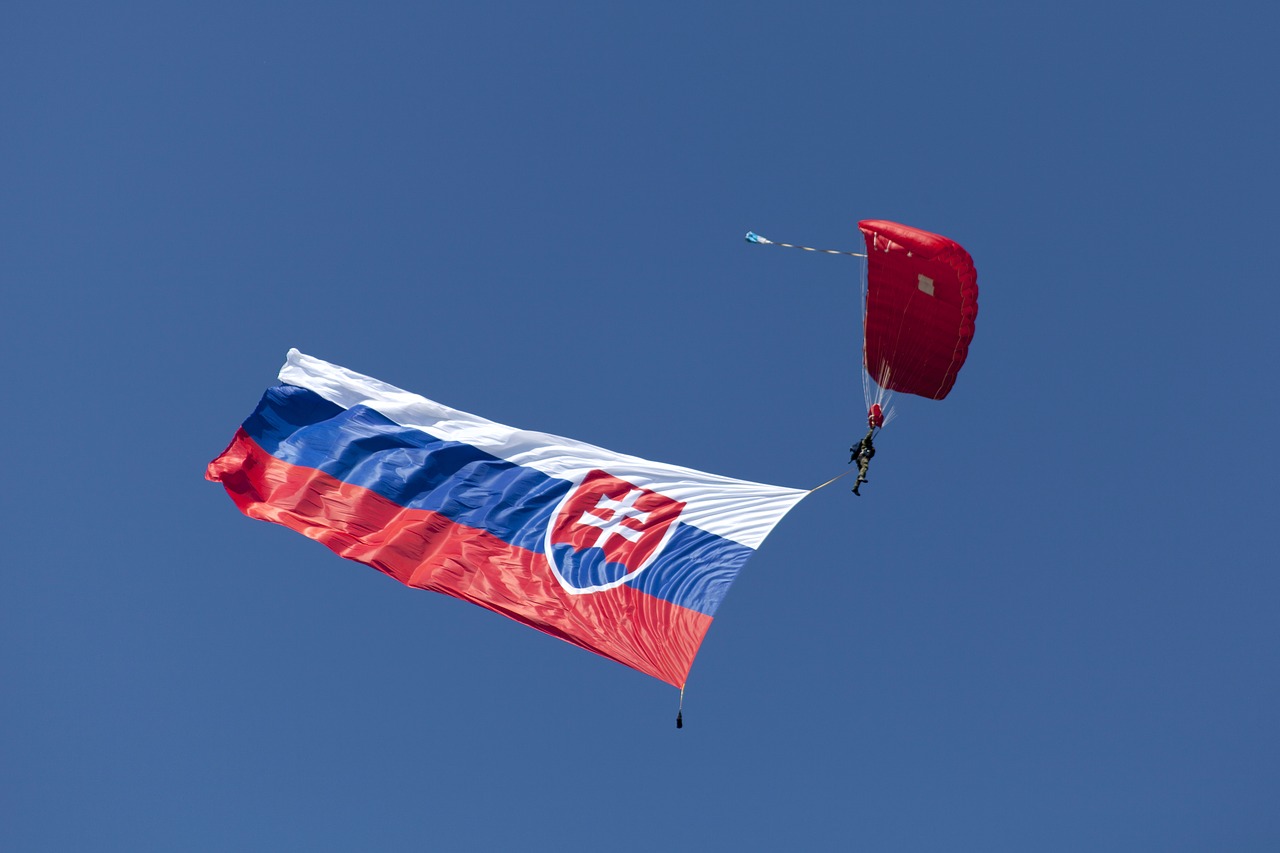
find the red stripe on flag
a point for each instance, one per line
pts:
(426, 550)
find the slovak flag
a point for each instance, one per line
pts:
(619, 555)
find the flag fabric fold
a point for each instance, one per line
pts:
(623, 556)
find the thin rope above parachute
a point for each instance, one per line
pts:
(753, 237)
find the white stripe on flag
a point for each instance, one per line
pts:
(735, 509)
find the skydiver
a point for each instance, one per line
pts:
(862, 453)
(864, 449)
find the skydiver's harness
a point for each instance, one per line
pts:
(864, 449)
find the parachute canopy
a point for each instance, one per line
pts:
(922, 299)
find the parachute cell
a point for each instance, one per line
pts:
(922, 299)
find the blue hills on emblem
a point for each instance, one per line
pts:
(587, 569)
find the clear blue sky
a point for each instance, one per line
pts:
(1049, 623)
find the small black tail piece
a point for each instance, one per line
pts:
(679, 719)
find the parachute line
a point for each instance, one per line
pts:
(875, 389)
(753, 237)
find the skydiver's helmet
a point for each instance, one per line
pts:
(875, 417)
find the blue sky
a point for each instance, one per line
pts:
(1048, 624)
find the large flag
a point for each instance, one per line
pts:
(622, 556)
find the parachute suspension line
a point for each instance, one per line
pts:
(875, 389)
(753, 237)
(875, 392)
(680, 710)
(867, 397)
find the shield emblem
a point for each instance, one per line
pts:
(606, 531)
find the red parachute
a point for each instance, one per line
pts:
(922, 299)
